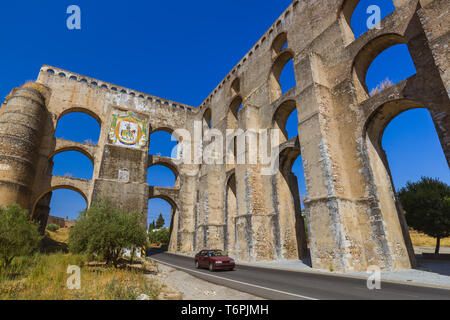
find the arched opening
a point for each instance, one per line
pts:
(165, 207)
(392, 135)
(235, 107)
(412, 135)
(285, 119)
(390, 67)
(235, 87)
(71, 164)
(279, 44)
(163, 143)
(78, 125)
(289, 180)
(358, 15)
(60, 205)
(162, 175)
(365, 59)
(282, 76)
(207, 118)
(230, 215)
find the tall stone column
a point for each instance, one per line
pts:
(351, 214)
(254, 223)
(186, 227)
(21, 131)
(432, 47)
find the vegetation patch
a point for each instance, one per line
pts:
(44, 277)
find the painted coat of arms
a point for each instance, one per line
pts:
(128, 130)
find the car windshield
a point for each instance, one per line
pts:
(217, 254)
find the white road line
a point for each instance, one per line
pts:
(245, 283)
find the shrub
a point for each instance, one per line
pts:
(159, 236)
(104, 231)
(52, 227)
(19, 236)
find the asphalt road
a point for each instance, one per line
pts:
(277, 284)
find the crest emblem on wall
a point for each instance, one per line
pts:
(128, 130)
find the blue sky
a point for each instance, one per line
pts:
(181, 50)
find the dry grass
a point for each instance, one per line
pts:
(44, 277)
(60, 235)
(386, 83)
(422, 240)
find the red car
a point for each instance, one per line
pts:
(213, 260)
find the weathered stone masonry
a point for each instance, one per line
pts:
(353, 216)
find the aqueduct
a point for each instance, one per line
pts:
(353, 216)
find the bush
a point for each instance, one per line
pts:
(104, 231)
(19, 236)
(52, 227)
(159, 236)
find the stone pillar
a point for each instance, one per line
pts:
(174, 233)
(351, 212)
(254, 224)
(21, 130)
(215, 206)
(186, 227)
(429, 50)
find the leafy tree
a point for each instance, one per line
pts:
(427, 207)
(159, 236)
(19, 236)
(160, 222)
(105, 231)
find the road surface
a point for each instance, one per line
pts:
(275, 284)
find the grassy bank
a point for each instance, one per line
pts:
(44, 277)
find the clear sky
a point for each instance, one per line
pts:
(180, 50)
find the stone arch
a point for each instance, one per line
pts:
(50, 165)
(377, 169)
(281, 116)
(169, 165)
(278, 44)
(382, 115)
(367, 55)
(174, 220)
(235, 104)
(289, 226)
(173, 141)
(275, 74)
(207, 119)
(82, 110)
(165, 129)
(40, 207)
(235, 87)
(79, 149)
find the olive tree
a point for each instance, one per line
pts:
(105, 231)
(19, 236)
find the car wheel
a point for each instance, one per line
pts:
(211, 267)
(197, 265)
(232, 269)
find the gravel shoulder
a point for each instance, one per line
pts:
(179, 285)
